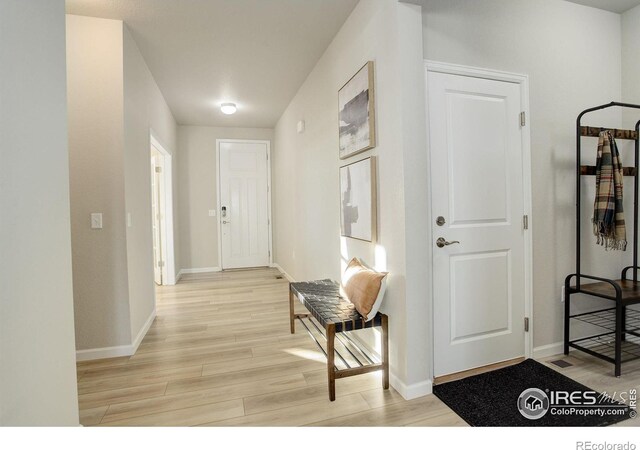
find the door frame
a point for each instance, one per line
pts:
(157, 195)
(523, 82)
(218, 212)
(166, 233)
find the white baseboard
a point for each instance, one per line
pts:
(548, 350)
(411, 391)
(102, 353)
(408, 392)
(283, 272)
(197, 270)
(120, 350)
(143, 332)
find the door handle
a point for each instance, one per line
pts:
(441, 242)
(225, 222)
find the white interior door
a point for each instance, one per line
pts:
(156, 214)
(478, 191)
(244, 204)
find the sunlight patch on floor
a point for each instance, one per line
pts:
(307, 354)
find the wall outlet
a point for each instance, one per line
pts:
(562, 294)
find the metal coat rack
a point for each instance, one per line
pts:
(618, 337)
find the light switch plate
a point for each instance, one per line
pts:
(129, 219)
(212, 213)
(96, 221)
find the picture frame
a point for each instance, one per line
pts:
(356, 113)
(358, 200)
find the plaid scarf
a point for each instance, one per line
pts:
(608, 215)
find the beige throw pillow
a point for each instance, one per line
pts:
(364, 287)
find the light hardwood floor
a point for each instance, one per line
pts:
(220, 354)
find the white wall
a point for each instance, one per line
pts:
(197, 171)
(305, 176)
(144, 109)
(114, 103)
(96, 140)
(37, 361)
(572, 55)
(631, 62)
(630, 74)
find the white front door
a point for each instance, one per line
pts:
(244, 204)
(478, 194)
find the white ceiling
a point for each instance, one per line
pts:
(256, 53)
(616, 6)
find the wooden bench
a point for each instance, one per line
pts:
(337, 315)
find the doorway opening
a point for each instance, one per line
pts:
(161, 213)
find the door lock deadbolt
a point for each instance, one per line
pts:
(440, 221)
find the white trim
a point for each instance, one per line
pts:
(523, 81)
(269, 193)
(219, 211)
(411, 391)
(283, 272)
(549, 350)
(528, 210)
(102, 353)
(476, 72)
(199, 270)
(143, 332)
(169, 270)
(120, 350)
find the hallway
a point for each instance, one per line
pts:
(220, 353)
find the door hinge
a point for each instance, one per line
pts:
(269, 253)
(158, 169)
(526, 324)
(525, 222)
(523, 119)
(160, 263)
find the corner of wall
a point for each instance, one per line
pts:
(411, 391)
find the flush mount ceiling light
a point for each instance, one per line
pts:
(228, 108)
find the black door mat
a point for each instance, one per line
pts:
(496, 399)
